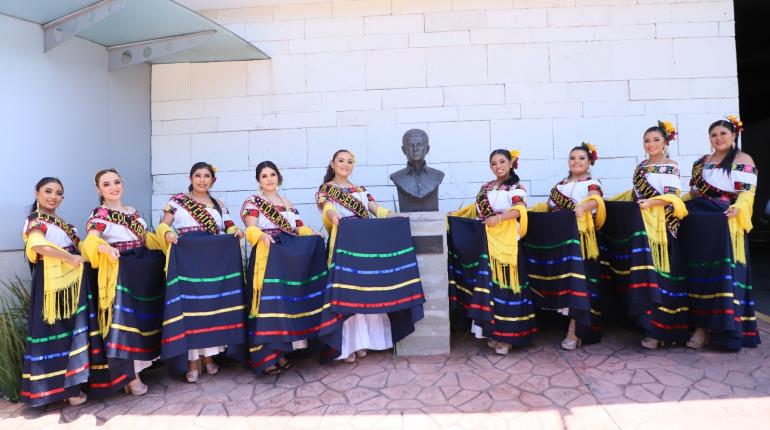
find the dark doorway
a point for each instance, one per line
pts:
(752, 38)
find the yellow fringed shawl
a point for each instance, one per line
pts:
(655, 225)
(587, 228)
(107, 279)
(61, 283)
(503, 245)
(253, 233)
(465, 212)
(741, 224)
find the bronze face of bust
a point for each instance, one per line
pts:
(417, 184)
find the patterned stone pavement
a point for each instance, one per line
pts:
(611, 385)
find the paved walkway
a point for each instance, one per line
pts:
(612, 385)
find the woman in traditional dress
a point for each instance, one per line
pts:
(130, 294)
(656, 187)
(340, 199)
(267, 216)
(582, 194)
(56, 351)
(192, 214)
(503, 313)
(715, 242)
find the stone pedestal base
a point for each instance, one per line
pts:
(431, 336)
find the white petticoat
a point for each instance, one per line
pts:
(364, 331)
(193, 354)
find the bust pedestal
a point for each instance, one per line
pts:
(431, 335)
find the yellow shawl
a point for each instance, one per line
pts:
(61, 283)
(503, 246)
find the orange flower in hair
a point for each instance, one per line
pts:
(669, 130)
(514, 153)
(592, 154)
(737, 123)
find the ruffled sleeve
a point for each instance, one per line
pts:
(518, 195)
(594, 185)
(249, 209)
(744, 178)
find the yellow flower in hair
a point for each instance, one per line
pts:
(590, 146)
(668, 126)
(514, 154)
(214, 169)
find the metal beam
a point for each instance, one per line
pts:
(58, 31)
(139, 52)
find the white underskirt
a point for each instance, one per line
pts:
(364, 331)
(299, 344)
(140, 365)
(193, 354)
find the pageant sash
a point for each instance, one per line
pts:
(561, 200)
(69, 229)
(198, 212)
(131, 222)
(647, 191)
(272, 214)
(346, 199)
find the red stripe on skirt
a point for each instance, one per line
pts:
(116, 381)
(201, 330)
(130, 348)
(377, 305)
(294, 333)
(516, 334)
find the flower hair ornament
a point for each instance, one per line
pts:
(592, 154)
(514, 153)
(668, 129)
(737, 123)
(214, 169)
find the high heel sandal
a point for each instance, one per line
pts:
(192, 375)
(350, 358)
(502, 348)
(571, 344)
(492, 343)
(697, 342)
(212, 368)
(273, 370)
(136, 388)
(651, 343)
(77, 400)
(361, 353)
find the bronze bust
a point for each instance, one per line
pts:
(417, 184)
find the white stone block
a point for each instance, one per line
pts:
(640, 14)
(412, 97)
(319, 44)
(693, 138)
(463, 173)
(624, 32)
(551, 110)
(428, 114)
(283, 30)
(351, 100)
(366, 117)
(691, 57)
(233, 106)
(177, 109)
(323, 142)
(170, 154)
(394, 24)
(566, 92)
(351, 26)
(185, 126)
(489, 112)
(238, 29)
(691, 29)
(532, 35)
(611, 135)
(170, 81)
(615, 60)
(223, 79)
(517, 18)
(395, 68)
(155, 129)
(378, 41)
(336, 71)
(464, 65)
(614, 108)
(482, 4)
(691, 106)
(702, 11)
(444, 38)
(245, 122)
(455, 20)
(284, 12)
(533, 137)
(727, 28)
(247, 15)
(272, 145)
(666, 89)
(533, 170)
(361, 8)
(622, 167)
(300, 120)
(372, 176)
(274, 47)
(466, 140)
(287, 103)
(542, 3)
(579, 16)
(420, 6)
(518, 63)
(474, 95)
(227, 151)
(304, 178)
(281, 74)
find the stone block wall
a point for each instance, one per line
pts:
(537, 75)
